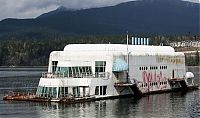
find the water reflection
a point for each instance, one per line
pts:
(168, 105)
(159, 105)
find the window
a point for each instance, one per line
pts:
(63, 91)
(76, 91)
(100, 90)
(88, 70)
(47, 91)
(143, 68)
(54, 92)
(163, 67)
(97, 90)
(54, 65)
(153, 67)
(100, 66)
(104, 90)
(76, 69)
(72, 71)
(39, 91)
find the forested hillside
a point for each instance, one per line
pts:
(29, 52)
(36, 52)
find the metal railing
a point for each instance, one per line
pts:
(76, 75)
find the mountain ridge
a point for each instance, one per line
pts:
(138, 17)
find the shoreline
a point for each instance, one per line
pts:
(47, 66)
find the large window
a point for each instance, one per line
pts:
(77, 71)
(100, 90)
(100, 66)
(63, 91)
(47, 92)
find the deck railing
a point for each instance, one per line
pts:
(76, 75)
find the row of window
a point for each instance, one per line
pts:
(143, 68)
(74, 70)
(152, 67)
(153, 84)
(99, 67)
(51, 92)
(47, 92)
(163, 67)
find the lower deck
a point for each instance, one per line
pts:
(13, 96)
(33, 98)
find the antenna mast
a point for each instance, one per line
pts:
(127, 55)
(127, 44)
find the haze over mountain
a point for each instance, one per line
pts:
(138, 17)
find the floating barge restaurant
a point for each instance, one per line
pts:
(84, 72)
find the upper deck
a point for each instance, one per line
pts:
(116, 48)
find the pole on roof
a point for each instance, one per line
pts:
(127, 42)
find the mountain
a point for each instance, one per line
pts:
(138, 17)
(58, 10)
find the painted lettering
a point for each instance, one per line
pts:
(150, 78)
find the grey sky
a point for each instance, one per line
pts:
(33, 8)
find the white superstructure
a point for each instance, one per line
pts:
(107, 70)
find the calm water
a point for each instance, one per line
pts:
(169, 105)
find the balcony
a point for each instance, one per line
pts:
(104, 75)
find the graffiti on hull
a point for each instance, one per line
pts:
(154, 80)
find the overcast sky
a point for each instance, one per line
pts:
(33, 8)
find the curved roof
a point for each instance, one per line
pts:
(119, 65)
(189, 75)
(117, 47)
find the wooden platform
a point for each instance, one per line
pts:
(123, 84)
(176, 79)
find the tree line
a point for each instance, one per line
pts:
(26, 52)
(32, 52)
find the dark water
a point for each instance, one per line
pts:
(167, 105)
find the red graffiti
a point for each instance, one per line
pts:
(154, 78)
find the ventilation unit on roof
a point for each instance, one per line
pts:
(140, 41)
